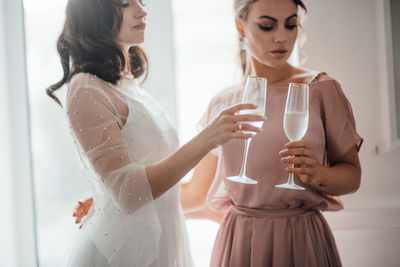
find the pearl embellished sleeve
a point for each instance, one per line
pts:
(97, 114)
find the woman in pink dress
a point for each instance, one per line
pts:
(263, 225)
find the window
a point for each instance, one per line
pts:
(206, 62)
(58, 181)
(395, 11)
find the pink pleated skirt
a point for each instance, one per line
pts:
(277, 238)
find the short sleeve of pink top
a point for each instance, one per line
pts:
(331, 133)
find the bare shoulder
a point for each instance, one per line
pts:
(306, 75)
(322, 76)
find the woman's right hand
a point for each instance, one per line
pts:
(228, 125)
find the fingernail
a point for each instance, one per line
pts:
(281, 152)
(264, 118)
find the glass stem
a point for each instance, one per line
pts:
(291, 176)
(246, 150)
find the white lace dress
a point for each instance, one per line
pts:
(118, 131)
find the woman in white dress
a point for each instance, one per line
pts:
(128, 147)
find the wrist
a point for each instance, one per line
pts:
(205, 142)
(201, 144)
(318, 181)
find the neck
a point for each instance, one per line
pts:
(127, 67)
(127, 63)
(275, 75)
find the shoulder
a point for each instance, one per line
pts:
(326, 83)
(315, 78)
(223, 99)
(329, 92)
(88, 81)
(86, 88)
(309, 76)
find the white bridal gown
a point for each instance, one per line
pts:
(119, 129)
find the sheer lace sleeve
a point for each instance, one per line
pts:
(96, 117)
(123, 206)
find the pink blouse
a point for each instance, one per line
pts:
(331, 133)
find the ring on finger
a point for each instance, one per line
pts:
(240, 127)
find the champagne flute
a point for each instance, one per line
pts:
(255, 92)
(295, 121)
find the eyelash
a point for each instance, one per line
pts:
(267, 29)
(127, 4)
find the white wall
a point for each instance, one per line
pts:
(347, 40)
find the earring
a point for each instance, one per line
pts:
(242, 44)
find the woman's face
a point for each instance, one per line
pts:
(270, 30)
(133, 23)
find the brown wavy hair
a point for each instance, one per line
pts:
(88, 44)
(241, 8)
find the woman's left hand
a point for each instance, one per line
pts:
(306, 166)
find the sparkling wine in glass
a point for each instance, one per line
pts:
(295, 121)
(255, 92)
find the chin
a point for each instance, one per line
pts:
(136, 42)
(276, 63)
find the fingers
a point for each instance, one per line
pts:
(246, 128)
(304, 174)
(298, 143)
(300, 171)
(301, 151)
(250, 128)
(248, 117)
(299, 160)
(234, 119)
(235, 108)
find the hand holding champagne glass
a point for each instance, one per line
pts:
(295, 121)
(255, 92)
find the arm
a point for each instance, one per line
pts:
(194, 193)
(342, 177)
(166, 173)
(96, 125)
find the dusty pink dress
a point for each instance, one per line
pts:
(267, 226)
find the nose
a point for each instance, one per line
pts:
(280, 35)
(141, 13)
